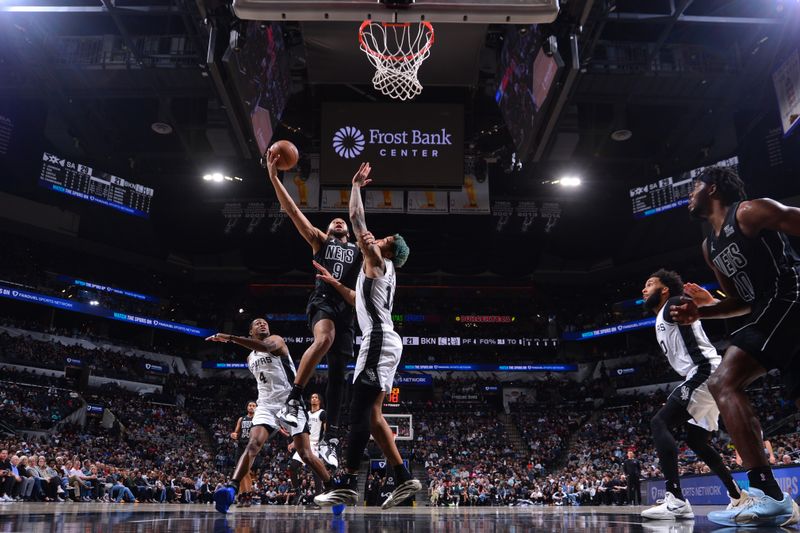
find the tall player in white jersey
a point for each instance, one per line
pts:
(691, 355)
(381, 349)
(274, 370)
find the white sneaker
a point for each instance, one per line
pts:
(795, 518)
(670, 508)
(743, 497)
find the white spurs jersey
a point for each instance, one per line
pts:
(315, 420)
(274, 375)
(374, 299)
(686, 347)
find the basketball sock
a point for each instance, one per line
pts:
(351, 481)
(697, 439)
(762, 478)
(674, 487)
(332, 434)
(401, 473)
(296, 393)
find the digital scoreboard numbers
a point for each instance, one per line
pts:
(81, 181)
(669, 193)
(660, 196)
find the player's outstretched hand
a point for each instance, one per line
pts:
(698, 294)
(234, 435)
(270, 161)
(324, 274)
(219, 337)
(361, 178)
(686, 313)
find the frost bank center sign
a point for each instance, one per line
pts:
(407, 145)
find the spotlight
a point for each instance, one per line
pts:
(241, 310)
(568, 181)
(94, 302)
(217, 177)
(208, 177)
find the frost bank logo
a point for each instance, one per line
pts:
(348, 142)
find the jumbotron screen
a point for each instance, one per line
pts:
(82, 181)
(671, 192)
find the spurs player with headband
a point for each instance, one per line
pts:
(241, 435)
(330, 316)
(380, 352)
(271, 365)
(747, 248)
(691, 355)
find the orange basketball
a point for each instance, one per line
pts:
(288, 152)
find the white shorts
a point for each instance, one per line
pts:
(694, 395)
(268, 416)
(379, 358)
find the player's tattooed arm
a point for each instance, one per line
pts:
(372, 254)
(357, 216)
(273, 344)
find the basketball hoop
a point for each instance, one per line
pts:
(396, 50)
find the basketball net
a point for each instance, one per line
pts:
(396, 50)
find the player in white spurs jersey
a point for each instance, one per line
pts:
(691, 355)
(316, 426)
(273, 368)
(380, 352)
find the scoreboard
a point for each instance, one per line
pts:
(669, 193)
(84, 182)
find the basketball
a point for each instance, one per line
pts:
(288, 152)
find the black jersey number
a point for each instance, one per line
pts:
(262, 378)
(664, 347)
(389, 297)
(338, 268)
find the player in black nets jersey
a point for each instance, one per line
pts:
(747, 248)
(241, 435)
(331, 318)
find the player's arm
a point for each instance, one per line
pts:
(235, 434)
(729, 307)
(348, 294)
(323, 418)
(770, 453)
(313, 236)
(373, 262)
(765, 214)
(273, 343)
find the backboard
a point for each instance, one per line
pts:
(464, 11)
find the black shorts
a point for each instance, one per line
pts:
(772, 338)
(341, 313)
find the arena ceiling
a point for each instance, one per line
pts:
(104, 72)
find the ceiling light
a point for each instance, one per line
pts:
(217, 177)
(162, 128)
(568, 181)
(241, 310)
(94, 302)
(621, 135)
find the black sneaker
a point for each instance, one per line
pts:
(338, 493)
(289, 413)
(403, 492)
